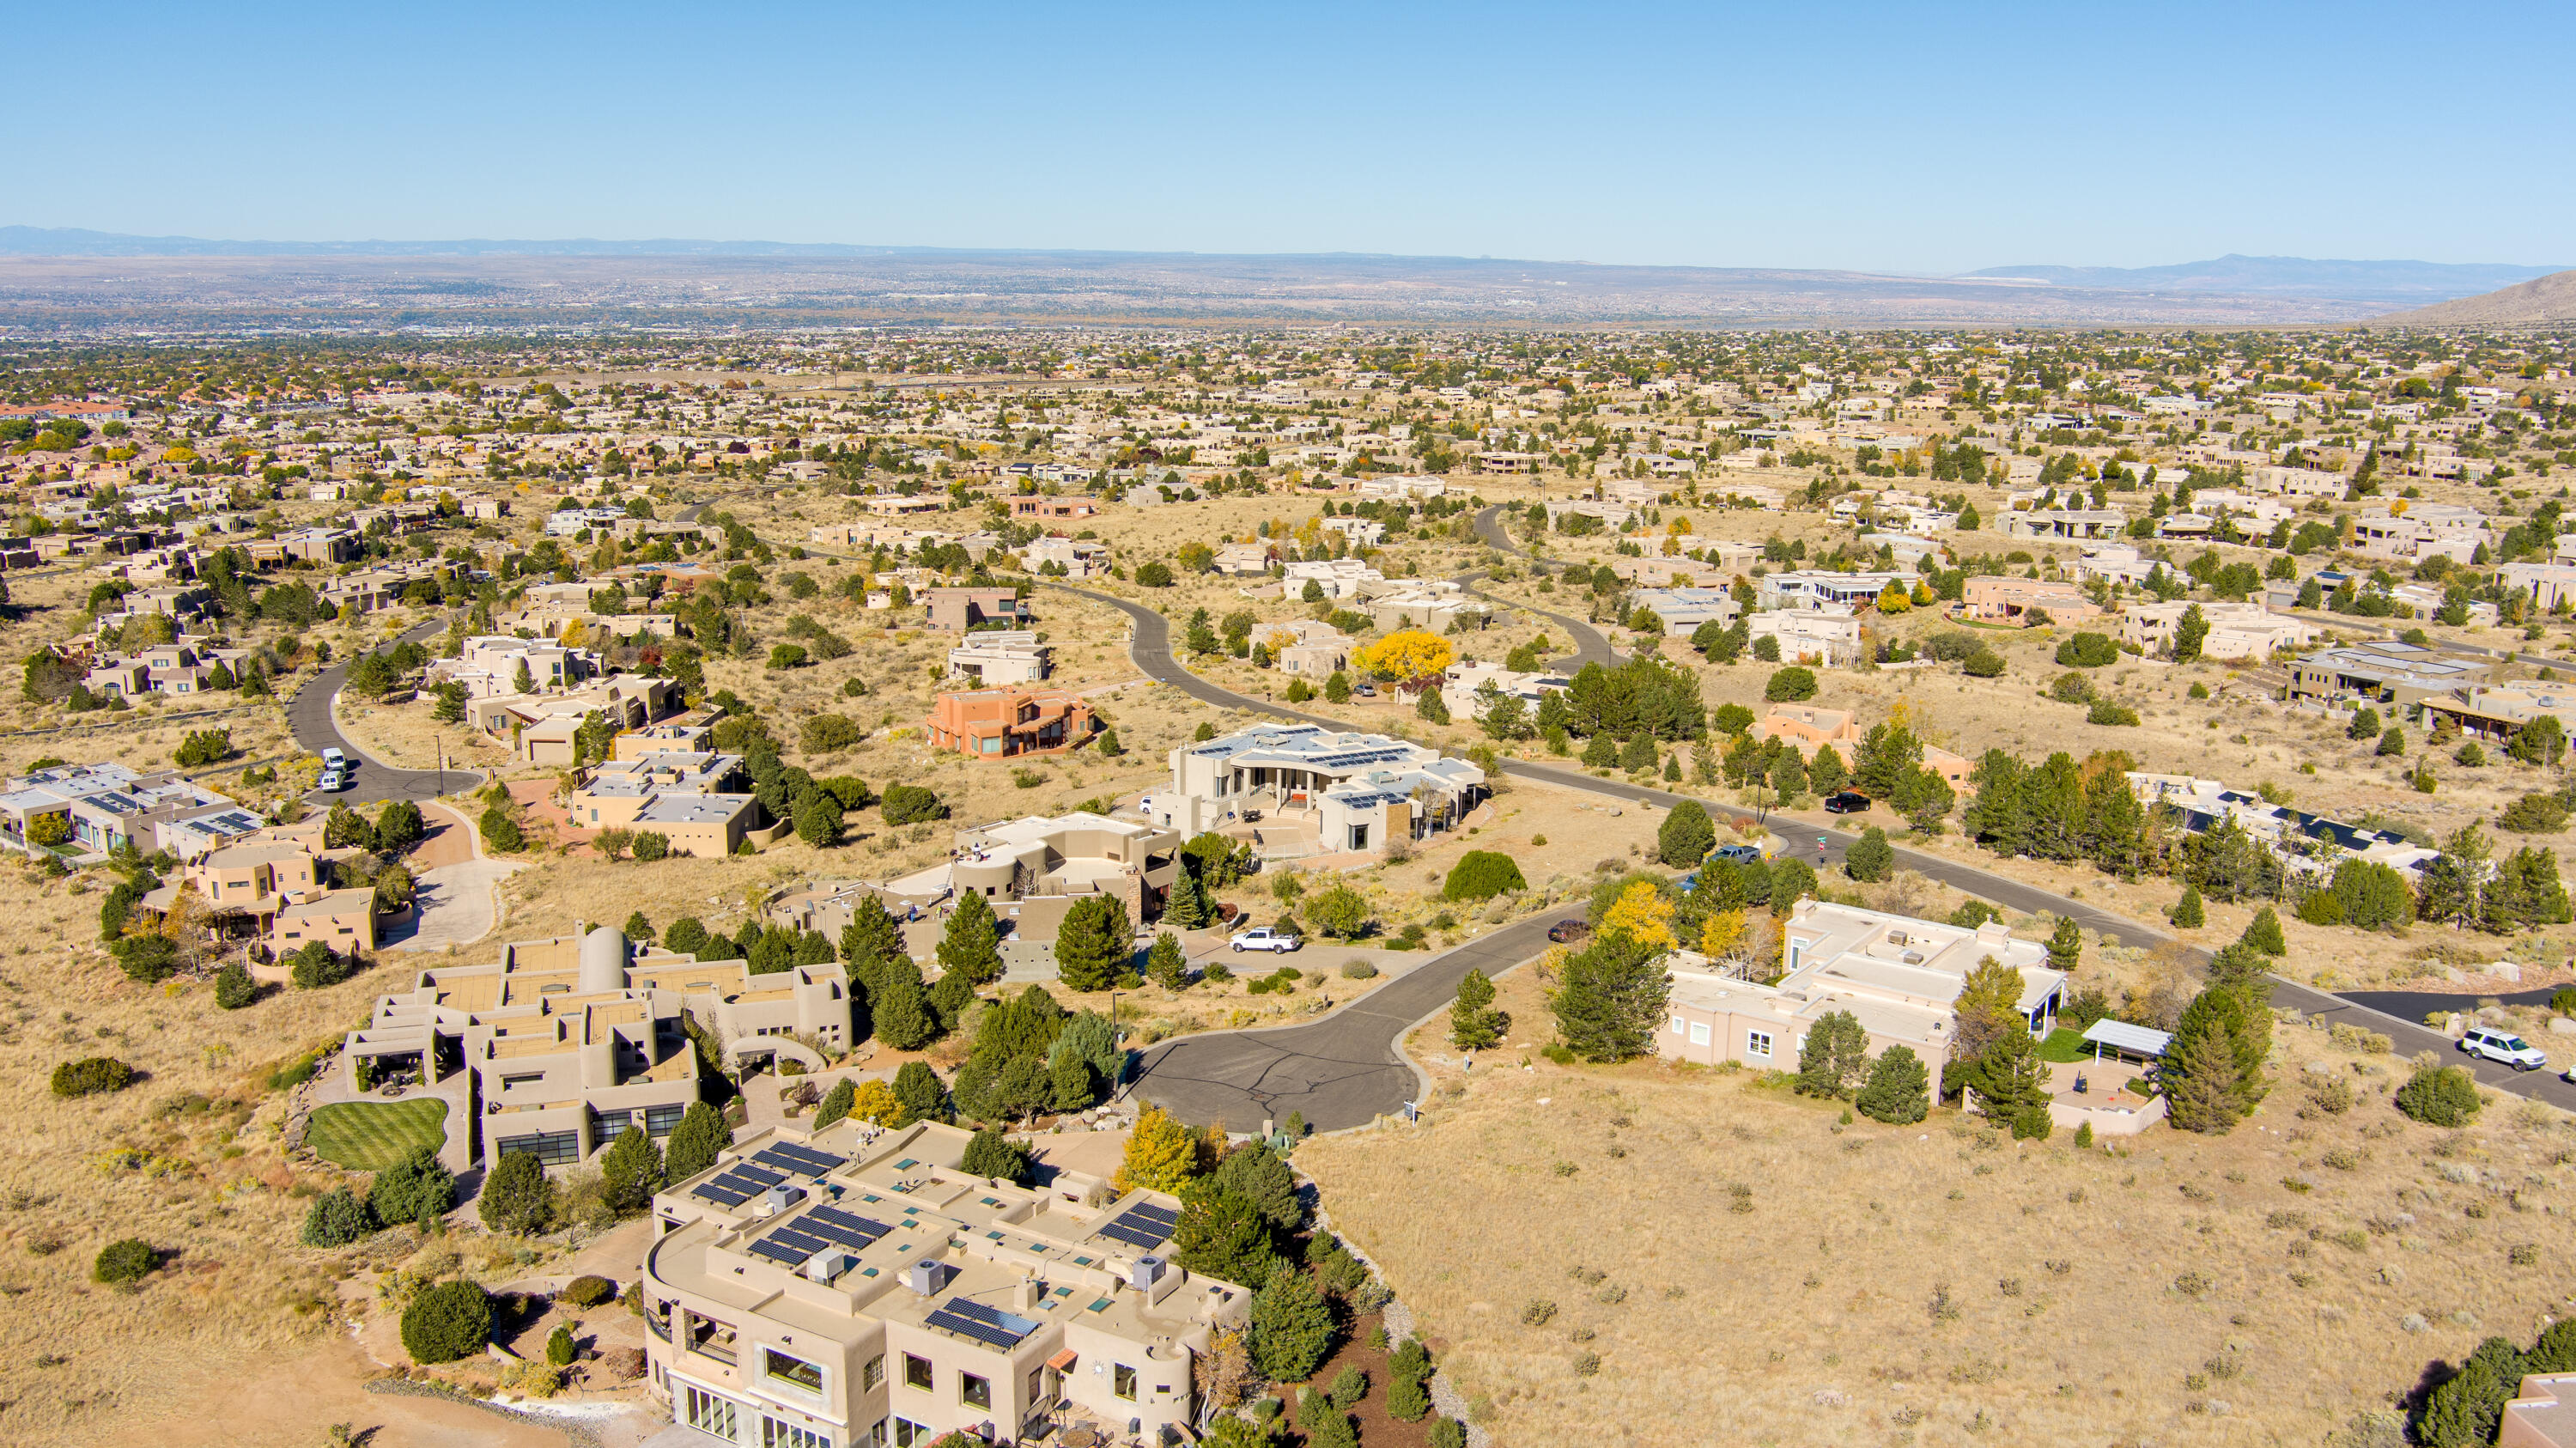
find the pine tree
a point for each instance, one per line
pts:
(917, 1089)
(631, 1171)
(1223, 1234)
(1070, 1086)
(1687, 835)
(970, 949)
(1610, 998)
(2065, 945)
(2187, 914)
(696, 1142)
(2010, 1081)
(991, 1154)
(1474, 1025)
(516, 1196)
(1188, 906)
(1167, 965)
(901, 1014)
(2263, 933)
(1834, 1059)
(1094, 944)
(1898, 1092)
(1292, 1329)
(1408, 1374)
(1826, 773)
(2204, 1085)
(1870, 858)
(1261, 1176)
(836, 1103)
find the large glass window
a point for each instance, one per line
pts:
(1757, 1043)
(776, 1433)
(554, 1148)
(708, 1413)
(873, 1373)
(1122, 1381)
(908, 1433)
(975, 1392)
(916, 1372)
(794, 1370)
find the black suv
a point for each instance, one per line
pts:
(1846, 802)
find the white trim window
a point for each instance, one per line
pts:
(1758, 1043)
(1699, 1033)
(1678, 1025)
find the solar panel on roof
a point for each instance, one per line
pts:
(721, 1193)
(1161, 1216)
(776, 1251)
(798, 1159)
(975, 1320)
(1142, 1226)
(803, 1242)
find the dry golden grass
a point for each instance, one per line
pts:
(1936, 1284)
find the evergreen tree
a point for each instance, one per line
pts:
(2526, 891)
(2187, 913)
(2454, 879)
(1261, 1176)
(1071, 1086)
(2204, 1078)
(970, 947)
(337, 1218)
(836, 1103)
(1474, 1025)
(2189, 631)
(991, 1154)
(1223, 1234)
(901, 1012)
(2011, 1082)
(1888, 753)
(1687, 835)
(2264, 934)
(1188, 906)
(917, 1088)
(416, 1189)
(631, 1171)
(516, 1196)
(1094, 944)
(696, 1142)
(1408, 1378)
(1826, 773)
(1167, 965)
(1870, 858)
(1834, 1059)
(1292, 1329)
(2464, 1410)
(1610, 998)
(1898, 1091)
(2065, 945)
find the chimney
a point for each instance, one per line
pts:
(1028, 1294)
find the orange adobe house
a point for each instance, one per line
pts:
(1007, 722)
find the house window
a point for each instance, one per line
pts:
(553, 1148)
(777, 1434)
(1757, 1043)
(873, 1373)
(1359, 837)
(1699, 1033)
(795, 1371)
(1122, 1381)
(975, 1392)
(1037, 1386)
(907, 1433)
(916, 1372)
(1677, 1025)
(708, 1413)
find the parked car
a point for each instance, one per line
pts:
(1366, 691)
(331, 782)
(1266, 937)
(1847, 802)
(2504, 1046)
(333, 759)
(1565, 930)
(1741, 854)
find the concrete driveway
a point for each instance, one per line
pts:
(459, 900)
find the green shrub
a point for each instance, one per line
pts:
(234, 987)
(906, 804)
(1790, 685)
(314, 967)
(416, 1189)
(91, 1076)
(1358, 970)
(2440, 1096)
(130, 1260)
(516, 1196)
(2087, 651)
(1985, 663)
(502, 833)
(2534, 814)
(651, 845)
(588, 1290)
(447, 1321)
(336, 1219)
(2564, 1002)
(559, 1347)
(2106, 711)
(1482, 875)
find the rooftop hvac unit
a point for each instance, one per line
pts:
(827, 1264)
(1147, 1271)
(925, 1278)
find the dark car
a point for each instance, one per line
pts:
(1846, 802)
(1565, 930)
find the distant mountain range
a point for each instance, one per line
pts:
(2533, 303)
(73, 281)
(2233, 275)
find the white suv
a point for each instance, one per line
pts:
(2503, 1046)
(1266, 937)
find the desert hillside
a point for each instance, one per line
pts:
(2543, 299)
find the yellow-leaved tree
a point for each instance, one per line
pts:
(1162, 1154)
(1723, 936)
(876, 1103)
(1406, 654)
(1643, 915)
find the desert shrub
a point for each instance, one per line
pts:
(1983, 664)
(1358, 970)
(2087, 651)
(336, 1219)
(516, 1196)
(129, 1260)
(1482, 875)
(314, 967)
(651, 845)
(906, 804)
(91, 1076)
(2106, 711)
(2534, 814)
(1790, 685)
(234, 987)
(559, 1347)
(589, 1290)
(447, 1321)
(419, 1188)
(2440, 1096)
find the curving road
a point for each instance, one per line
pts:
(1343, 1069)
(308, 718)
(1590, 647)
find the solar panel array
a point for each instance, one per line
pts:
(988, 1325)
(1143, 1225)
(804, 1161)
(819, 1230)
(740, 1183)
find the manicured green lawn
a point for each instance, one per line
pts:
(373, 1135)
(2065, 1047)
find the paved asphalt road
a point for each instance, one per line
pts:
(308, 718)
(1590, 647)
(1342, 1070)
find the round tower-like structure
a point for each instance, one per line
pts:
(603, 962)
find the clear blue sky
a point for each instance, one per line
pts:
(1914, 138)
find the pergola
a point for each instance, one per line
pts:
(2124, 1040)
